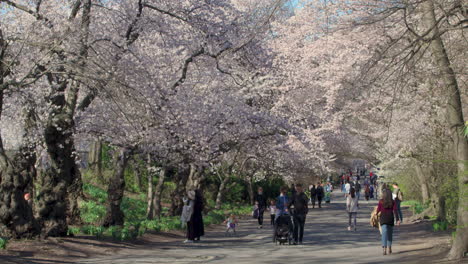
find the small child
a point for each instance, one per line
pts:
(231, 223)
(255, 211)
(272, 209)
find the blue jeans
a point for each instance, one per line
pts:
(387, 235)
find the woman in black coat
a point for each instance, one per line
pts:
(195, 227)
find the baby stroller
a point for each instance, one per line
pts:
(283, 230)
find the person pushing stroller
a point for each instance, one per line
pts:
(283, 224)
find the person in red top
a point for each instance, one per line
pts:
(388, 211)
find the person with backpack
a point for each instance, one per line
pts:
(320, 194)
(313, 195)
(398, 197)
(388, 212)
(299, 209)
(352, 205)
(261, 202)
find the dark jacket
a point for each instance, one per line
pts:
(262, 201)
(320, 192)
(387, 215)
(299, 201)
(313, 192)
(195, 227)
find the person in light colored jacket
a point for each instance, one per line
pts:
(352, 205)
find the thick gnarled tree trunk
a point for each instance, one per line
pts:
(455, 121)
(114, 215)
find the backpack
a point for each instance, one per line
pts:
(375, 218)
(400, 196)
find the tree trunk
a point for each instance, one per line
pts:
(158, 194)
(219, 197)
(176, 197)
(16, 176)
(456, 122)
(149, 196)
(137, 176)
(114, 215)
(95, 159)
(422, 182)
(250, 189)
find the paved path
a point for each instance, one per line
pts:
(326, 241)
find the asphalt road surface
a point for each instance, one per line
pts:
(326, 240)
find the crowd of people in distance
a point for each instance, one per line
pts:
(291, 207)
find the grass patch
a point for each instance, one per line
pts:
(136, 224)
(440, 226)
(416, 206)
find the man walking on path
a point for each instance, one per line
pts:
(262, 205)
(299, 209)
(320, 194)
(398, 197)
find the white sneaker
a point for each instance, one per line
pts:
(188, 241)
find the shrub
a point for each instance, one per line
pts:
(3, 243)
(95, 193)
(133, 209)
(73, 231)
(91, 212)
(440, 226)
(416, 206)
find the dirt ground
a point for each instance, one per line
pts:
(326, 241)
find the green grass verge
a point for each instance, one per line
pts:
(136, 224)
(416, 206)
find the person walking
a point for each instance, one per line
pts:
(299, 209)
(388, 212)
(367, 192)
(272, 209)
(195, 227)
(352, 205)
(357, 188)
(328, 191)
(261, 202)
(282, 204)
(320, 194)
(313, 195)
(347, 188)
(398, 197)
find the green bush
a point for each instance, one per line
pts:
(91, 212)
(416, 206)
(133, 209)
(450, 190)
(3, 243)
(440, 226)
(73, 231)
(95, 193)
